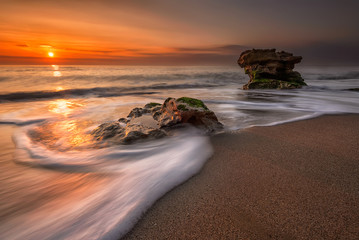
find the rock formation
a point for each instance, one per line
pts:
(155, 121)
(188, 110)
(270, 69)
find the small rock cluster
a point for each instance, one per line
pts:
(270, 69)
(155, 121)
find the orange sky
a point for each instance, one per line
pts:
(158, 31)
(32, 30)
(94, 33)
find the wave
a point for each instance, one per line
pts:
(349, 75)
(126, 182)
(222, 76)
(22, 122)
(95, 92)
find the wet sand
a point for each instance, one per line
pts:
(292, 181)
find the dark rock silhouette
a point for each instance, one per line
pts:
(270, 69)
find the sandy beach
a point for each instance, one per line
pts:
(107, 110)
(297, 180)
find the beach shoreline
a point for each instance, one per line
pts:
(297, 180)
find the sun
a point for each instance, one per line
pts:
(51, 54)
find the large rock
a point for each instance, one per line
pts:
(113, 132)
(154, 121)
(270, 69)
(188, 110)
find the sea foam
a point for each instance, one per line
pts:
(132, 178)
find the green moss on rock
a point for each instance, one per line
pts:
(263, 80)
(182, 107)
(266, 83)
(152, 104)
(254, 74)
(192, 102)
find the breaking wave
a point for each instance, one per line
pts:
(131, 179)
(96, 92)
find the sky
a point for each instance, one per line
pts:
(169, 32)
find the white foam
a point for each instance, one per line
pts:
(136, 178)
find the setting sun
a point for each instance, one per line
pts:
(51, 54)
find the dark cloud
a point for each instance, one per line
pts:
(322, 53)
(22, 45)
(222, 50)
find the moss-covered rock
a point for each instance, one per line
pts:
(270, 69)
(264, 83)
(192, 102)
(182, 107)
(152, 104)
(155, 121)
(187, 110)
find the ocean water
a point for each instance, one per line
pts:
(58, 184)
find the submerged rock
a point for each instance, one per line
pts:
(155, 121)
(113, 132)
(123, 120)
(107, 130)
(152, 105)
(354, 89)
(270, 69)
(136, 132)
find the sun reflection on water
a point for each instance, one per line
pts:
(67, 132)
(55, 67)
(64, 107)
(63, 135)
(56, 72)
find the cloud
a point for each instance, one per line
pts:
(224, 49)
(328, 53)
(45, 46)
(22, 45)
(315, 53)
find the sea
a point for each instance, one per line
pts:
(56, 183)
